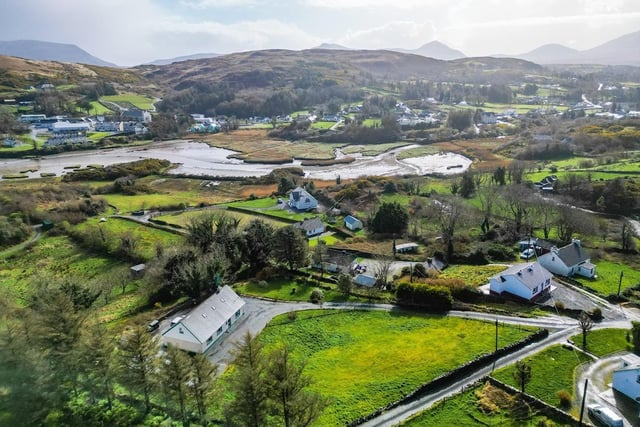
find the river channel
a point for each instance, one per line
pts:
(197, 158)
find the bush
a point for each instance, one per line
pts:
(437, 298)
(596, 313)
(565, 398)
(317, 296)
(559, 305)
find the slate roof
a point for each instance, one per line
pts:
(364, 280)
(212, 313)
(310, 224)
(573, 254)
(350, 219)
(531, 275)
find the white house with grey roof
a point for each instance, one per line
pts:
(626, 379)
(202, 328)
(568, 261)
(300, 199)
(526, 281)
(311, 226)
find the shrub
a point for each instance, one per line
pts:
(559, 305)
(565, 398)
(596, 313)
(317, 296)
(437, 298)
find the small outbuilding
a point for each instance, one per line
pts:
(352, 223)
(138, 270)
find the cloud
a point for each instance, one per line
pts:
(217, 4)
(372, 4)
(402, 34)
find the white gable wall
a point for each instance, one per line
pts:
(182, 338)
(554, 264)
(512, 286)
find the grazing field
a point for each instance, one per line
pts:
(139, 101)
(184, 218)
(552, 370)
(481, 151)
(147, 237)
(361, 361)
(99, 109)
(57, 257)
(465, 409)
(322, 125)
(602, 342)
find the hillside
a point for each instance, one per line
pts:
(437, 50)
(40, 50)
(269, 68)
(20, 74)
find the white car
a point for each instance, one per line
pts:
(528, 253)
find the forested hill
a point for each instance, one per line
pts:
(281, 68)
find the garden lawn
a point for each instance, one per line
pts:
(286, 290)
(476, 275)
(552, 370)
(99, 109)
(608, 273)
(463, 410)
(602, 342)
(363, 360)
(322, 125)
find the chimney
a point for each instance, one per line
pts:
(576, 242)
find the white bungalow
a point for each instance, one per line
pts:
(568, 261)
(311, 226)
(626, 379)
(527, 281)
(203, 327)
(300, 199)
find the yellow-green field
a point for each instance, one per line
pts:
(361, 361)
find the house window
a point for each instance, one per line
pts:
(210, 339)
(180, 330)
(237, 313)
(535, 290)
(228, 322)
(638, 379)
(219, 330)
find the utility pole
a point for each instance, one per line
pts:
(620, 282)
(584, 398)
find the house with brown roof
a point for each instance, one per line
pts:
(568, 261)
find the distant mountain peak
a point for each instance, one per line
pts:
(435, 49)
(331, 46)
(183, 58)
(50, 51)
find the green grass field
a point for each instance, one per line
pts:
(608, 273)
(602, 342)
(184, 218)
(361, 361)
(371, 123)
(322, 125)
(140, 101)
(55, 257)
(464, 410)
(552, 370)
(477, 275)
(148, 237)
(286, 290)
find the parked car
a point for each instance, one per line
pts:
(528, 253)
(605, 416)
(153, 325)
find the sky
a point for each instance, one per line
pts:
(131, 32)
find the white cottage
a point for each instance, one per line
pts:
(311, 226)
(300, 199)
(527, 281)
(206, 323)
(352, 223)
(568, 261)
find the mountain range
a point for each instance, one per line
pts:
(49, 51)
(620, 51)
